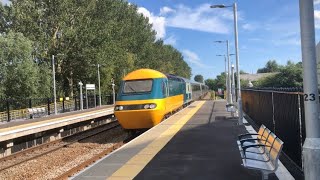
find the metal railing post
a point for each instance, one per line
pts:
(8, 109)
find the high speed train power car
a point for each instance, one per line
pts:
(146, 96)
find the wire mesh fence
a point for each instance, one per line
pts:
(281, 110)
(19, 109)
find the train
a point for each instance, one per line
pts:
(147, 96)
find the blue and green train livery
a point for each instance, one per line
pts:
(146, 96)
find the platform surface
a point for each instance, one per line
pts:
(16, 129)
(199, 142)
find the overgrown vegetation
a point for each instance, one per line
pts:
(289, 75)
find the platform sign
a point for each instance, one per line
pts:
(90, 86)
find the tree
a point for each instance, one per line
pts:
(19, 72)
(86, 33)
(210, 83)
(289, 76)
(243, 72)
(271, 66)
(198, 78)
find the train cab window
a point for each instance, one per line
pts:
(137, 86)
(164, 89)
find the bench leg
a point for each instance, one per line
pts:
(264, 175)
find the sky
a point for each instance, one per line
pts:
(268, 30)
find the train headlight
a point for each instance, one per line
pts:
(152, 106)
(116, 108)
(120, 108)
(146, 106)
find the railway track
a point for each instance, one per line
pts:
(49, 161)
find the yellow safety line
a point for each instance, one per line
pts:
(140, 160)
(47, 121)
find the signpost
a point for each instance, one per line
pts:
(91, 87)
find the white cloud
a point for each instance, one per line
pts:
(248, 27)
(201, 18)
(166, 10)
(194, 59)
(171, 40)
(317, 18)
(317, 14)
(158, 22)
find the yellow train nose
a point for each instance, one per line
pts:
(137, 119)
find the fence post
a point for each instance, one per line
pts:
(75, 103)
(63, 104)
(48, 100)
(300, 127)
(30, 106)
(8, 109)
(273, 121)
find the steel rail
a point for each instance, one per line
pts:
(88, 162)
(10, 157)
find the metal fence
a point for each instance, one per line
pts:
(18, 109)
(283, 113)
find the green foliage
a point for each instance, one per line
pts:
(219, 82)
(271, 66)
(82, 34)
(198, 78)
(19, 73)
(289, 76)
(210, 83)
(243, 72)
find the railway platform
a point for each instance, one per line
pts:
(198, 142)
(37, 128)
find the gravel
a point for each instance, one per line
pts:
(64, 159)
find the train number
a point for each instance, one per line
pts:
(309, 97)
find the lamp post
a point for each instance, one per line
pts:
(233, 88)
(54, 86)
(311, 146)
(228, 76)
(237, 56)
(81, 96)
(113, 92)
(99, 84)
(225, 72)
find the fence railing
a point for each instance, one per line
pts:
(282, 112)
(16, 109)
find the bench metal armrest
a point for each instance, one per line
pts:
(254, 145)
(250, 139)
(248, 134)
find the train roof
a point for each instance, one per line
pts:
(172, 76)
(151, 74)
(144, 74)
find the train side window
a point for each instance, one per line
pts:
(164, 89)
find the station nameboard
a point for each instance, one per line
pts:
(90, 86)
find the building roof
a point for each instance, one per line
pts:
(255, 77)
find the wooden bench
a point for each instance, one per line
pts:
(262, 152)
